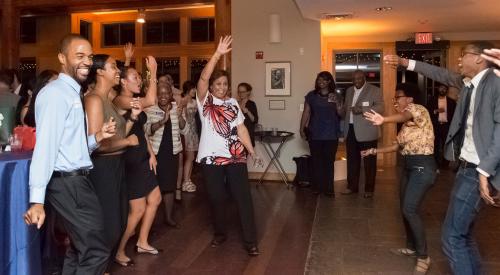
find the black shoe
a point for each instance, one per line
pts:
(330, 194)
(172, 224)
(217, 240)
(252, 250)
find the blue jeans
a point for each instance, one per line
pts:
(419, 174)
(465, 204)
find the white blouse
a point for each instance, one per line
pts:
(219, 142)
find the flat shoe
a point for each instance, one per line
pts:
(404, 252)
(124, 263)
(253, 250)
(153, 251)
(217, 241)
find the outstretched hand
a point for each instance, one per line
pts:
(395, 61)
(224, 45)
(374, 117)
(493, 55)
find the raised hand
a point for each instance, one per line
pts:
(224, 45)
(395, 61)
(128, 50)
(35, 215)
(493, 55)
(151, 65)
(374, 117)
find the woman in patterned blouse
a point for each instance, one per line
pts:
(415, 142)
(224, 144)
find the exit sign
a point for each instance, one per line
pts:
(423, 38)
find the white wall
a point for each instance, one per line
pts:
(250, 30)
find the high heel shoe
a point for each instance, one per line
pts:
(153, 251)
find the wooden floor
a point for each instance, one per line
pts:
(301, 233)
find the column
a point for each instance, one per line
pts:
(10, 35)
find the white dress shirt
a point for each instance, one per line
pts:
(355, 97)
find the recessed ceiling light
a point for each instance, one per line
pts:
(383, 9)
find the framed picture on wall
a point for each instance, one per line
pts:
(278, 79)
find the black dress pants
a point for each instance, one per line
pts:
(108, 179)
(354, 148)
(440, 133)
(236, 177)
(75, 201)
(323, 158)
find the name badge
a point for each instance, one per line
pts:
(365, 104)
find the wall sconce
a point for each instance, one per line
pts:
(274, 28)
(141, 16)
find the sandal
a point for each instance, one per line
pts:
(188, 186)
(422, 266)
(125, 263)
(404, 252)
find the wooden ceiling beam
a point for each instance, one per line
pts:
(81, 5)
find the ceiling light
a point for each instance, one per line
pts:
(381, 9)
(336, 16)
(141, 16)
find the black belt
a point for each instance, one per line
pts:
(465, 164)
(76, 173)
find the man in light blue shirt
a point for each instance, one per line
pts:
(61, 161)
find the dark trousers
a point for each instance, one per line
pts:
(354, 148)
(323, 158)
(75, 201)
(236, 177)
(440, 133)
(418, 175)
(107, 177)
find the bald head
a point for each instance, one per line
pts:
(358, 79)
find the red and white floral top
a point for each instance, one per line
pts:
(219, 142)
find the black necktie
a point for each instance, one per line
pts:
(465, 114)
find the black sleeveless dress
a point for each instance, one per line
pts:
(139, 178)
(168, 163)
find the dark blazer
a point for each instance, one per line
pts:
(433, 105)
(486, 130)
(370, 98)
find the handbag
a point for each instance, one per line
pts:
(28, 137)
(303, 177)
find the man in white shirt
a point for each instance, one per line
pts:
(473, 140)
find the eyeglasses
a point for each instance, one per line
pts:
(397, 97)
(464, 53)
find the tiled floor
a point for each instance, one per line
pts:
(299, 233)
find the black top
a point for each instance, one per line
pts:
(252, 108)
(140, 152)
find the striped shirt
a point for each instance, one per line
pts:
(156, 114)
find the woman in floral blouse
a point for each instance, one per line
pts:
(415, 142)
(223, 149)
